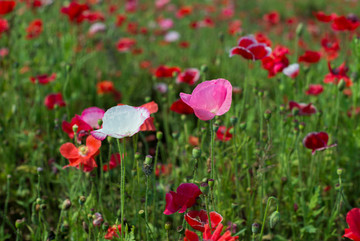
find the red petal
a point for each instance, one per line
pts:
(69, 151)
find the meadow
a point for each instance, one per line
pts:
(214, 120)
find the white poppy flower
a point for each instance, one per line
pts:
(121, 121)
(292, 70)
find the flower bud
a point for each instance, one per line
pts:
(148, 159)
(203, 68)
(339, 171)
(82, 200)
(159, 135)
(274, 219)
(341, 85)
(267, 115)
(43, 206)
(137, 155)
(75, 128)
(175, 135)
(109, 139)
(255, 228)
(299, 29)
(105, 226)
(295, 111)
(196, 152)
(142, 213)
(204, 187)
(147, 99)
(183, 117)
(19, 223)
(242, 126)
(233, 120)
(66, 204)
(211, 183)
(167, 226)
(100, 122)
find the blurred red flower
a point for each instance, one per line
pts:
(338, 74)
(125, 44)
(322, 17)
(310, 57)
(181, 108)
(115, 161)
(4, 26)
(75, 11)
(164, 71)
(223, 134)
(54, 99)
(34, 29)
(113, 232)
(250, 49)
(353, 220)
(272, 18)
(314, 90)
(304, 109)
(342, 23)
(7, 6)
(317, 141)
(43, 79)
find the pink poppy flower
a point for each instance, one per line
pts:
(92, 115)
(54, 99)
(184, 198)
(198, 219)
(209, 99)
(292, 70)
(208, 236)
(317, 141)
(314, 90)
(223, 134)
(83, 127)
(43, 79)
(189, 76)
(249, 48)
(304, 109)
(353, 220)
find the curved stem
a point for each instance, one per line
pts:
(265, 214)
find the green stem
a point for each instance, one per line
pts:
(212, 150)
(265, 214)
(146, 209)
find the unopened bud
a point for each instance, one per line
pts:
(66, 204)
(19, 223)
(64, 227)
(274, 219)
(339, 171)
(203, 68)
(233, 120)
(82, 200)
(204, 187)
(159, 135)
(147, 99)
(105, 226)
(196, 152)
(242, 125)
(211, 183)
(100, 122)
(300, 29)
(255, 228)
(75, 128)
(221, 37)
(341, 85)
(167, 226)
(142, 213)
(267, 115)
(295, 111)
(175, 135)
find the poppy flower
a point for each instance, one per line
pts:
(4, 26)
(125, 44)
(342, 23)
(115, 161)
(184, 11)
(189, 76)
(54, 99)
(314, 90)
(310, 57)
(208, 236)
(34, 29)
(121, 121)
(164, 71)
(43, 79)
(209, 98)
(96, 28)
(262, 38)
(163, 169)
(107, 87)
(120, 19)
(234, 27)
(322, 17)
(82, 156)
(113, 232)
(7, 6)
(198, 219)
(317, 141)
(353, 220)
(180, 107)
(223, 134)
(272, 18)
(92, 115)
(276, 62)
(75, 11)
(330, 47)
(184, 198)
(292, 70)
(338, 74)
(249, 48)
(80, 123)
(304, 109)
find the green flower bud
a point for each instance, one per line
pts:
(274, 219)
(175, 135)
(300, 29)
(221, 37)
(204, 187)
(105, 226)
(341, 85)
(19, 223)
(167, 226)
(211, 183)
(159, 135)
(339, 171)
(255, 228)
(75, 128)
(242, 126)
(204, 68)
(64, 227)
(267, 115)
(233, 120)
(82, 200)
(142, 213)
(147, 99)
(100, 122)
(196, 152)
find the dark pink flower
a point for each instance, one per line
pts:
(54, 99)
(310, 57)
(304, 109)
(189, 76)
(315, 90)
(249, 48)
(92, 115)
(317, 141)
(43, 79)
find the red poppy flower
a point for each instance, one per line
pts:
(180, 107)
(83, 127)
(317, 141)
(82, 156)
(148, 124)
(249, 48)
(272, 18)
(94, 16)
(43, 79)
(304, 109)
(208, 236)
(120, 19)
(189, 76)
(353, 220)
(163, 169)
(113, 232)
(198, 219)
(262, 38)
(7, 6)
(322, 17)
(34, 29)
(75, 11)
(310, 57)
(314, 90)
(184, 11)
(330, 47)
(164, 71)
(338, 74)
(105, 87)
(4, 26)
(184, 198)
(115, 161)
(276, 62)
(342, 23)
(223, 134)
(125, 44)
(54, 99)
(234, 27)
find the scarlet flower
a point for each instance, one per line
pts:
(94, 16)
(34, 29)
(4, 26)
(113, 232)
(310, 57)
(314, 90)
(181, 108)
(304, 109)
(75, 11)
(43, 79)
(198, 219)
(115, 161)
(184, 11)
(125, 44)
(189, 76)
(262, 38)
(163, 169)
(353, 220)
(317, 141)
(208, 236)
(342, 23)
(120, 19)
(164, 71)
(132, 27)
(223, 134)
(338, 74)
(82, 156)
(330, 47)
(272, 18)
(107, 87)
(54, 99)
(249, 48)
(184, 198)
(83, 127)
(7, 6)
(322, 17)
(234, 27)
(276, 62)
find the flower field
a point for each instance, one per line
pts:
(213, 120)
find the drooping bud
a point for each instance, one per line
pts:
(274, 219)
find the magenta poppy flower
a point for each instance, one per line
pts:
(210, 98)
(92, 115)
(317, 141)
(83, 127)
(54, 99)
(249, 48)
(184, 198)
(189, 76)
(43, 79)
(198, 219)
(314, 90)
(353, 220)
(304, 109)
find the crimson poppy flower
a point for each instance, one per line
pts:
(120, 19)
(82, 156)
(262, 38)
(198, 219)
(125, 44)
(4, 26)
(310, 57)
(34, 29)
(115, 161)
(164, 71)
(181, 107)
(223, 134)
(7, 6)
(93, 16)
(314, 90)
(113, 232)
(272, 18)
(43, 79)
(249, 48)
(277, 61)
(304, 109)
(184, 198)
(189, 76)
(208, 236)
(322, 17)
(338, 74)
(342, 23)
(353, 220)
(81, 124)
(184, 11)
(75, 11)
(234, 27)
(330, 47)
(317, 141)
(54, 99)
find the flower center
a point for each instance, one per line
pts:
(83, 150)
